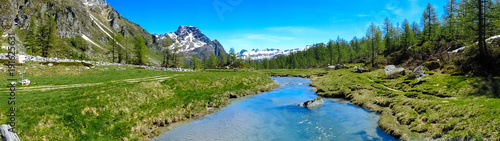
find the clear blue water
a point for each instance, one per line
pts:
(274, 116)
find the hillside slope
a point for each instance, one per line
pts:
(94, 20)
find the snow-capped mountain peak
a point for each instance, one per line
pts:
(187, 38)
(191, 41)
(257, 54)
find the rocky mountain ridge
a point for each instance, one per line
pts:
(192, 41)
(96, 22)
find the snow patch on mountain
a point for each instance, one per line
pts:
(89, 40)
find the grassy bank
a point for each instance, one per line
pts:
(438, 106)
(122, 103)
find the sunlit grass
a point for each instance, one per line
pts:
(122, 110)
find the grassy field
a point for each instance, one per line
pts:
(438, 106)
(119, 103)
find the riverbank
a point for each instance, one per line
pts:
(438, 106)
(275, 115)
(120, 102)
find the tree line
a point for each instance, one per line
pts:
(464, 23)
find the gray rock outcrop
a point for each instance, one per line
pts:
(8, 135)
(419, 72)
(359, 69)
(392, 71)
(312, 104)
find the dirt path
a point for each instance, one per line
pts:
(53, 87)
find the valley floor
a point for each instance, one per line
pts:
(438, 106)
(128, 103)
(119, 102)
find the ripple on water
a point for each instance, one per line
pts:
(275, 116)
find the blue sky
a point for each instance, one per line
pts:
(252, 24)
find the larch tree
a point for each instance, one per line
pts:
(196, 62)
(430, 22)
(389, 31)
(331, 50)
(31, 40)
(408, 37)
(140, 50)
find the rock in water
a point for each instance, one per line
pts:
(391, 71)
(312, 104)
(8, 135)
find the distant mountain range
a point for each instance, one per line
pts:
(257, 54)
(98, 22)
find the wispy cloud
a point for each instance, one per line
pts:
(269, 38)
(363, 15)
(294, 30)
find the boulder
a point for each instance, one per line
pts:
(360, 69)
(331, 67)
(50, 64)
(341, 66)
(392, 71)
(419, 72)
(312, 104)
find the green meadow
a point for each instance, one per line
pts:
(120, 102)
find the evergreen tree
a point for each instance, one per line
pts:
(222, 58)
(416, 29)
(204, 62)
(140, 50)
(31, 40)
(371, 35)
(113, 44)
(232, 56)
(196, 62)
(389, 33)
(450, 20)
(430, 22)
(48, 36)
(212, 61)
(176, 56)
(408, 37)
(331, 50)
(121, 55)
(337, 48)
(167, 57)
